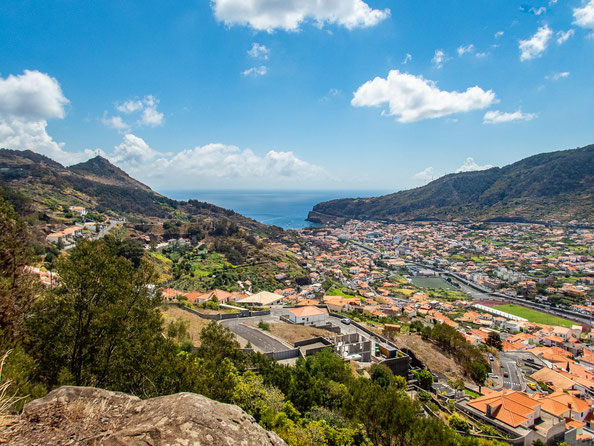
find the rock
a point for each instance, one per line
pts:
(90, 416)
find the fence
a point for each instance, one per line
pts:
(284, 354)
(220, 316)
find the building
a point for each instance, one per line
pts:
(518, 416)
(308, 315)
(79, 210)
(262, 299)
(65, 235)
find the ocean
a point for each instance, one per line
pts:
(287, 209)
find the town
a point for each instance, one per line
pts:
(519, 294)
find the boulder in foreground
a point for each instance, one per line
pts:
(90, 416)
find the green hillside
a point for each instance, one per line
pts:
(546, 187)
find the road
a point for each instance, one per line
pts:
(514, 379)
(105, 230)
(112, 224)
(258, 339)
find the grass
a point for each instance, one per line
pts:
(471, 393)
(534, 316)
(432, 282)
(195, 322)
(337, 292)
(7, 402)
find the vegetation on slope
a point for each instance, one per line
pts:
(549, 186)
(101, 326)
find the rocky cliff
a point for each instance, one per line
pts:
(89, 416)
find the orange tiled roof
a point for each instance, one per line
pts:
(307, 311)
(511, 408)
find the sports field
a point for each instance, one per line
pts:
(534, 315)
(432, 282)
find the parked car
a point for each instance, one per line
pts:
(531, 385)
(491, 358)
(530, 359)
(345, 321)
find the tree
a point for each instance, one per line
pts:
(17, 288)
(101, 325)
(381, 375)
(458, 424)
(494, 340)
(425, 379)
(478, 372)
(217, 343)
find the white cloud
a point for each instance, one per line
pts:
(133, 151)
(538, 11)
(413, 98)
(584, 16)
(151, 117)
(438, 58)
(497, 117)
(465, 49)
(115, 122)
(407, 58)
(537, 44)
(147, 107)
(498, 34)
(558, 76)
(32, 95)
(130, 106)
(471, 166)
(481, 55)
(27, 102)
(563, 36)
(212, 164)
(256, 71)
(332, 93)
(259, 51)
(268, 15)
(425, 174)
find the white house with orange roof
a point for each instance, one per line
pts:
(308, 315)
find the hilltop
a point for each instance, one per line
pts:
(97, 185)
(216, 239)
(555, 186)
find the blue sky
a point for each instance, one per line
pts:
(296, 94)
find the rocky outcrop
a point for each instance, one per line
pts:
(89, 416)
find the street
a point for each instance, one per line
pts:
(259, 339)
(514, 379)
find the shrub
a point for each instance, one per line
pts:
(264, 325)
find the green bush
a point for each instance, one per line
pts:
(264, 325)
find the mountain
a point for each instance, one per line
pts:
(99, 186)
(555, 186)
(101, 170)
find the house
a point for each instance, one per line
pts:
(515, 409)
(171, 294)
(553, 341)
(79, 210)
(263, 298)
(336, 303)
(562, 332)
(564, 405)
(65, 235)
(554, 380)
(308, 315)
